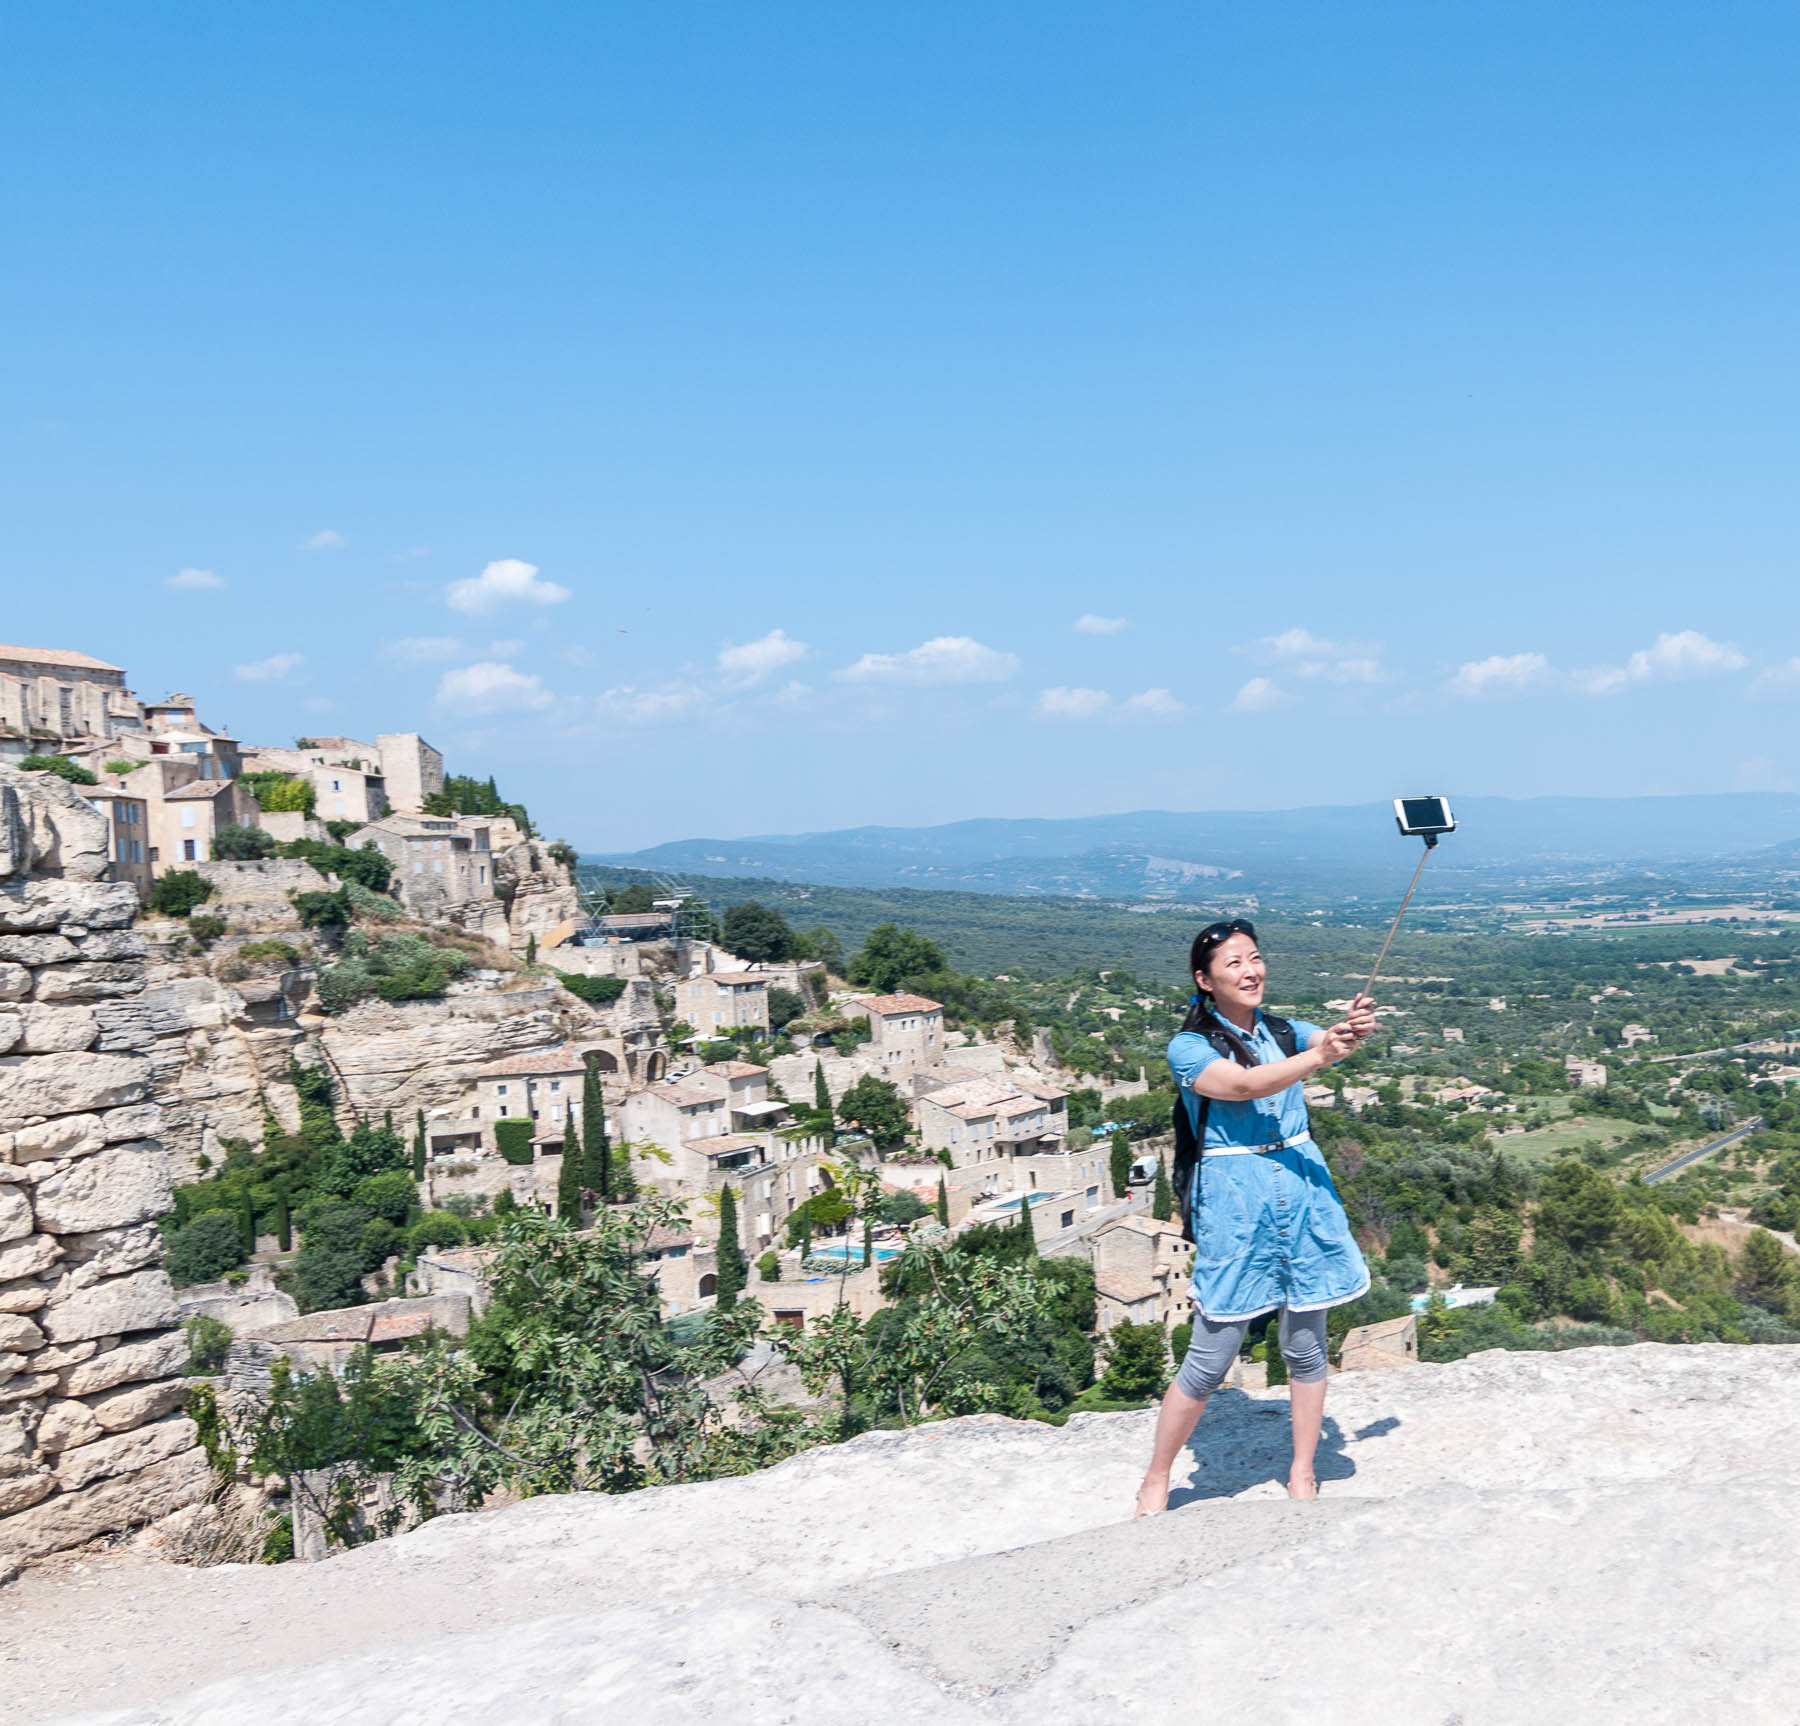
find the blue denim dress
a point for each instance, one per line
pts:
(1269, 1228)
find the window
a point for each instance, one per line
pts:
(188, 851)
(556, 1084)
(1068, 1219)
(500, 1090)
(503, 1111)
(338, 785)
(187, 820)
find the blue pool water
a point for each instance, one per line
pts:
(836, 1255)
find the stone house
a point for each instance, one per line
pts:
(347, 783)
(53, 700)
(717, 1000)
(906, 1032)
(411, 770)
(1371, 1347)
(128, 834)
(172, 728)
(439, 861)
(543, 1084)
(183, 821)
(990, 1119)
(1142, 1269)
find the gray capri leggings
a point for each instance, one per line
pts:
(1215, 1346)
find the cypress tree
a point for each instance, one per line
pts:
(821, 1094)
(806, 1233)
(1121, 1163)
(531, 949)
(568, 1180)
(596, 1153)
(419, 1147)
(943, 1203)
(1027, 1229)
(1162, 1199)
(284, 1222)
(247, 1222)
(624, 1182)
(733, 1270)
(868, 1243)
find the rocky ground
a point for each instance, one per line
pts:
(1606, 1535)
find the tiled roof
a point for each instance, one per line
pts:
(685, 1094)
(198, 790)
(734, 1069)
(57, 656)
(720, 1143)
(734, 979)
(564, 1058)
(888, 1005)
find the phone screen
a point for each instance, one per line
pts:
(1425, 815)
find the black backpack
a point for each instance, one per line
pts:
(1188, 1140)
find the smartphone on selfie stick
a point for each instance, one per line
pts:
(1427, 818)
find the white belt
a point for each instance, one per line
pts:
(1256, 1150)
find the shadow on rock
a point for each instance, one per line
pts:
(1242, 1442)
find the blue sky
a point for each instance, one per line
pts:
(716, 419)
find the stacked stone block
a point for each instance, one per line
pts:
(92, 1438)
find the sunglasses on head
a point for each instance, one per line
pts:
(1214, 933)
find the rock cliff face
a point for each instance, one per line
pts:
(1603, 1536)
(91, 1439)
(538, 892)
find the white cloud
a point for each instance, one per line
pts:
(422, 649)
(793, 693)
(505, 649)
(1777, 678)
(276, 665)
(943, 659)
(326, 539)
(195, 578)
(1298, 644)
(1155, 704)
(1499, 674)
(1258, 695)
(500, 583)
(750, 662)
(488, 686)
(1061, 703)
(649, 706)
(1309, 655)
(1685, 654)
(1089, 624)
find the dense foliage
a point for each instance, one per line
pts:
(178, 892)
(62, 767)
(394, 967)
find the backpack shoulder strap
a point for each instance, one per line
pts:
(1287, 1039)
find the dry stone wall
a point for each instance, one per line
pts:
(92, 1437)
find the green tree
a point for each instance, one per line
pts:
(512, 1139)
(205, 1249)
(178, 892)
(733, 1271)
(757, 933)
(877, 1107)
(568, 1180)
(1579, 1207)
(784, 1007)
(822, 1095)
(822, 944)
(596, 1152)
(1120, 1163)
(61, 766)
(1274, 1361)
(242, 844)
(531, 949)
(247, 1220)
(943, 1203)
(596, 991)
(333, 1256)
(1162, 1198)
(284, 1221)
(420, 1146)
(624, 1177)
(768, 1267)
(368, 1151)
(1137, 1362)
(890, 955)
(390, 1195)
(1027, 1227)
(1765, 1271)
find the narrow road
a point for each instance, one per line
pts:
(1731, 1138)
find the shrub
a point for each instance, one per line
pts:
(768, 1267)
(209, 1341)
(272, 948)
(395, 967)
(437, 1229)
(318, 910)
(561, 851)
(512, 1139)
(784, 1006)
(721, 1050)
(286, 793)
(900, 1207)
(178, 892)
(368, 866)
(205, 927)
(242, 844)
(1137, 1366)
(341, 830)
(61, 766)
(391, 1195)
(329, 1267)
(596, 991)
(205, 1249)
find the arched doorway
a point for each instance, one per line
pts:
(709, 1285)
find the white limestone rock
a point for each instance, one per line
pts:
(15, 1216)
(54, 1030)
(27, 1258)
(85, 980)
(37, 949)
(120, 1185)
(154, 1357)
(15, 983)
(65, 1425)
(29, 907)
(142, 1301)
(12, 1029)
(70, 1084)
(62, 1137)
(111, 1252)
(18, 1333)
(48, 827)
(133, 1404)
(124, 1452)
(129, 1501)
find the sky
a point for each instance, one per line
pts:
(720, 420)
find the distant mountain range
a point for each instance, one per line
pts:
(1217, 856)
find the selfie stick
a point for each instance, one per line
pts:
(1427, 818)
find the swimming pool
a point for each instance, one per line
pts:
(840, 1255)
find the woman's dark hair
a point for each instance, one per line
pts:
(1200, 1014)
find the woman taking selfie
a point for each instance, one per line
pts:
(1269, 1231)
